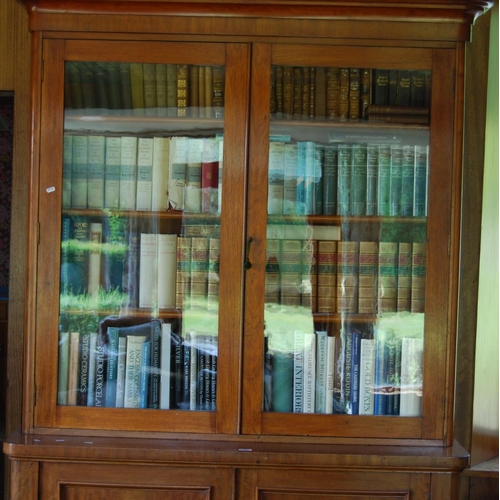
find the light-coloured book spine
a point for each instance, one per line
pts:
(309, 372)
(167, 268)
(411, 377)
(95, 257)
(148, 270)
(159, 199)
(367, 377)
(330, 373)
(128, 173)
(192, 191)
(291, 272)
(321, 371)
(177, 171)
(166, 330)
(79, 180)
(209, 175)
(144, 173)
(133, 371)
(92, 369)
(95, 193)
(62, 375)
(290, 179)
(298, 371)
(67, 166)
(73, 367)
(276, 171)
(99, 374)
(120, 371)
(112, 173)
(193, 373)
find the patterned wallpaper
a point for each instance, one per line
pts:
(6, 153)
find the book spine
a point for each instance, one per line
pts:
(144, 174)
(183, 273)
(79, 257)
(128, 173)
(290, 179)
(133, 371)
(192, 192)
(112, 366)
(213, 274)
(63, 367)
(309, 177)
(125, 85)
(199, 272)
(177, 172)
(407, 180)
(95, 172)
(309, 389)
(161, 89)
(165, 363)
(79, 172)
(130, 280)
(159, 186)
(94, 278)
(344, 95)
(100, 373)
(298, 372)
(193, 374)
(148, 270)
(404, 277)
(276, 169)
(372, 155)
(396, 180)
(112, 173)
(387, 277)
(120, 372)
(359, 179)
(282, 381)
(67, 168)
(354, 93)
(137, 88)
(218, 91)
(381, 86)
(83, 363)
(347, 276)
(366, 376)
(291, 272)
(327, 276)
(421, 181)
(144, 374)
(355, 370)
(380, 397)
(73, 368)
(330, 373)
(319, 157)
(344, 179)
(210, 176)
(167, 267)
(154, 366)
(309, 274)
(182, 89)
(368, 270)
(273, 277)
(149, 76)
(347, 371)
(92, 369)
(418, 276)
(330, 178)
(384, 180)
(321, 371)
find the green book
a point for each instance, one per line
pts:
(396, 180)
(359, 179)
(384, 180)
(407, 180)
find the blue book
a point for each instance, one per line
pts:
(407, 180)
(380, 399)
(344, 179)
(111, 366)
(144, 377)
(355, 368)
(301, 178)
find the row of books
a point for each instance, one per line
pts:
(364, 277)
(348, 179)
(348, 374)
(142, 173)
(137, 366)
(345, 94)
(144, 89)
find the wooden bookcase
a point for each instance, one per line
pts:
(246, 431)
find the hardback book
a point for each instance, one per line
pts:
(182, 89)
(421, 181)
(66, 228)
(297, 92)
(380, 392)
(194, 90)
(309, 274)
(114, 250)
(384, 180)
(273, 276)
(165, 364)
(67, 170)
(92, 369)
(279, 92)
(344, 179)
(418, 89)
(177, 172)
(171, 90)
(330, 178)
(193, 371)
(309, 168)
(137, 88)
(333, 93)
(355, 370)
(200, 90)
(387, 276)
(161, 89)
(327, 276)
(407, 180)
(312, 92)
(320, 93)
(199, 273)
(144, 374)
(210, 176)
(330, 373)
(159, 185)
(354, 94)
(73, 368)
(305, 93)
(287, 92)
(133, 370)
(344, 94)
(78, 256)
(393, 89)
(100, 373)
(130, 281)
(411, 377)
(347, 371)
(319, 155)
(404, 87)
(102, 87)
(112, 162)
(125, 86)
(276, 170)
(111, 366)
(372, 155)
(218, 91)
(120, 372)
(63, 367)
(309, 404)
(149, 77)
(366, 376)
(321, 371)
(404, 276)
(83, 365)
(209, 91)
(396, 180)
(128, 173)
(192, 192)
(153, 366)
(418, 276)
(148, 270)
(368, 270)
(167, 268)
(183, 273)
(392, 376)
(365, 92)
(290, 179)
(144, 174)
(298, 371)
(95, 171)
(213, 274)
(177, 373)
(291, 272)
(94, 276)
(347, 276)
(381, 86)
(359, 179)
(282, 381)
(79, 172)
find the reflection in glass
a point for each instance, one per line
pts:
(140, 237)
(346, 241)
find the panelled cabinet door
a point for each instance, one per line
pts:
(349, 289)
(141, 207)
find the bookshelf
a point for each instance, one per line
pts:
(244, 245)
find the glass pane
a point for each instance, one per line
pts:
(346, 241)
(141, 235)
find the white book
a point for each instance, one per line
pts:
(290, 179)
(79, 181)
(128, 173)
(67, 165)
(148, 267)
(144, 173)
(95, 257)
(159, 198)
(177, 171)
(276, 174)
(367, 377)
(99, 375)
(133, 370)
(112, 172)
(193, 373)
(192, 193)
(321, 382)
(330, 373)
(309, 372)
(167, 269)
(298, 371)
(166, 331)
(95, 193)
(120, 371)
(411, 377)
(92, 369)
